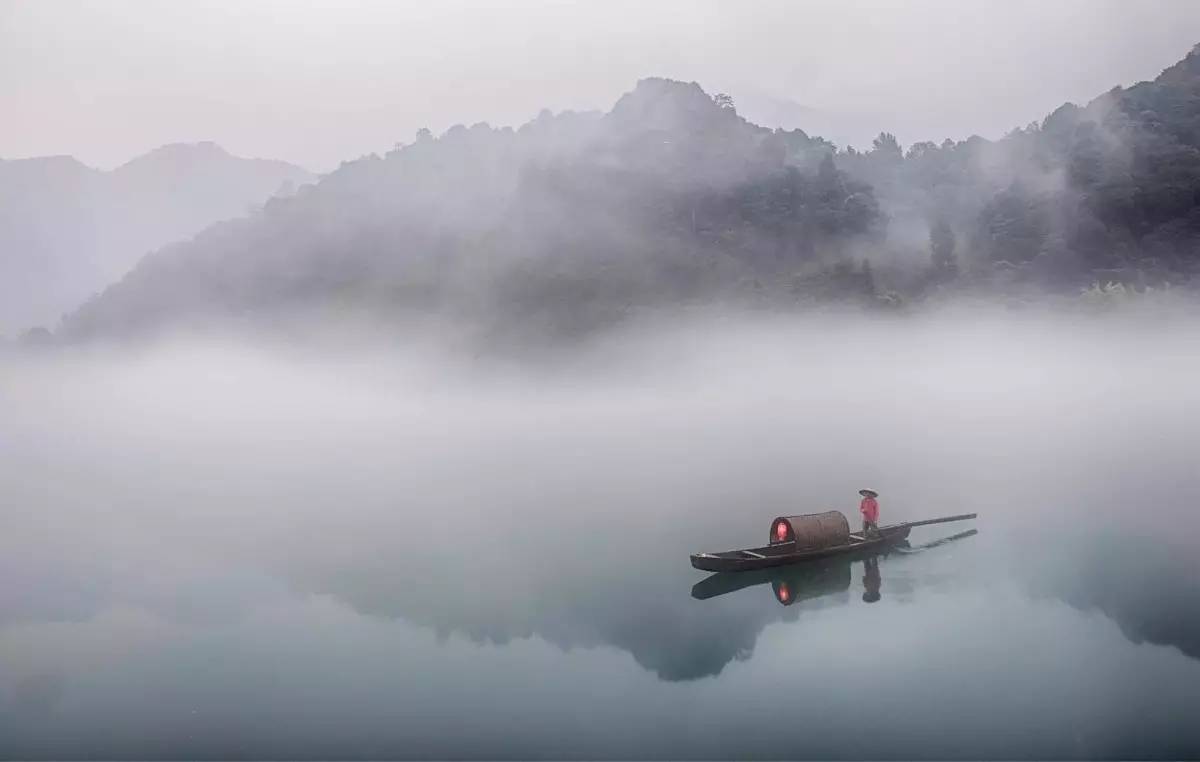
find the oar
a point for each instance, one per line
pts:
(943, 520)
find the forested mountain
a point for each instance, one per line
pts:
(1109, 191)
(671, 197)
(67, 230)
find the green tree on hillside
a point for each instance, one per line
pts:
(941, 245)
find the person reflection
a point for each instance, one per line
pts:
(871, 579)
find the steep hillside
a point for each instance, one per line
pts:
(566, 222)
(1109, 191)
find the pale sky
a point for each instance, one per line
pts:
(317, 83)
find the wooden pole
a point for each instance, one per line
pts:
(943, 520)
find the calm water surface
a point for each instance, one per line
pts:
(402, 570)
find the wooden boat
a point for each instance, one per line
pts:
(809, 580)
(796, 539)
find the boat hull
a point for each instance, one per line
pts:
(784, 554)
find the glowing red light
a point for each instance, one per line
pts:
(781, 531)
(784, 593)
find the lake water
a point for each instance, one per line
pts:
(215, 552)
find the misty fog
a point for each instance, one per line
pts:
(439, 443)
(175, 501)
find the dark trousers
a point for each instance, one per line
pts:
(869, 526)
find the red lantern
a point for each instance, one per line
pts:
(781, 531)
(784, 593)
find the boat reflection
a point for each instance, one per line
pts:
(790, 584)
(816, 579)
(833, 579)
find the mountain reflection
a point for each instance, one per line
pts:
(1150, 587)
(674, 636)
(636, 602)
(666, 633)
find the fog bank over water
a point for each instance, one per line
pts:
(206, 502)
(1031, 420)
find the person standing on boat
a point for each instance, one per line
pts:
(870, 511)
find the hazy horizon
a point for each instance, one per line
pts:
(324, 83)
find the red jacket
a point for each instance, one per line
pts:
(870, 510)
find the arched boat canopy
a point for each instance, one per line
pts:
(812, 530)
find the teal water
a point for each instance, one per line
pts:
(981, 647)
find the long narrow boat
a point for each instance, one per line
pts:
(796, 539)
(811, 579)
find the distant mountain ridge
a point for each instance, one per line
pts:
(68, 230)
(671, 197)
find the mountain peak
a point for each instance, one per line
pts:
(660, 103)
(57, 161)
(203, 151)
